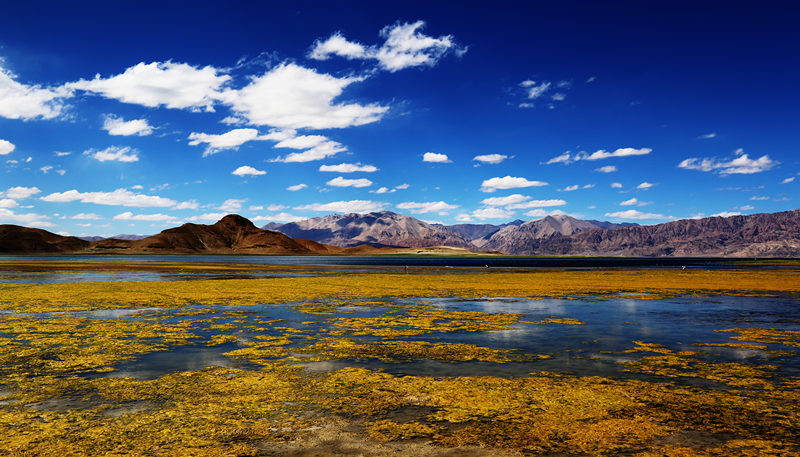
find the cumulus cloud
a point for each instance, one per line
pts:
(280, 217)
(741, 163)
(491, 213)
(427, 207)
(129, 216)
(228, 140)
(187, 205)
(319, 152)
(788, 180)
(119, 197)
(119, 126)
(537, 204)
(344, 182)
(170, 84)
(247, 170)
(232, 205)
(544, 213)
(490, 158)
(21, 101)
(294, 97)
(404, 47)
(635, 214)
(301, 141)
(296, 187)
(508, 182)
(8, 203)
(27, 219)
(6, 147)
(616, 185)
(348, 168)
(571, 188)
(645, 185)
(634, 202)
(505, 201)
(534, 90)
(606, 169)
(383, 190)
(727, 214)
(569, 157)
(435, 157)
(350, 206)
(213, 217)
(114, 154)
(20, 192)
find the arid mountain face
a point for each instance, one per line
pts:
(383, 228)
(526, 238)
(759, 235)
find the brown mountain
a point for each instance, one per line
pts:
(758, 235)
(381, 228)
(15, 239)
(527, 237)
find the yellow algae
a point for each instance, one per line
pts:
(417, 322)
(766, 335)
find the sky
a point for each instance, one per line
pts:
(132, 117)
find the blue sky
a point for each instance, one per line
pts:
(131, 117)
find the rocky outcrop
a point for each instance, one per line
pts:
(527, 238)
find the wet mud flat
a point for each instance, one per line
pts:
(546, 362)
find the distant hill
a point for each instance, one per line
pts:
(380, 228)
(757, 235)
(474, 232)
(526, 238)
(15, 239)
(116, 237)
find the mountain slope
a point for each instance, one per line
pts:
(526, 238)
(473, 232)
(380, 228)
(17, 239)
(758, 235)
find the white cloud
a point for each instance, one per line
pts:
(606, 169)
(464, 217)
(544, 213)
(621, 152)
(344, 182)
(788, 180)
(740, 164)
(616, 185)
(534, 90)
(635, 214)
(537, 204)
(404, 47)
(569, 157)
(383, 190)
(727, 214)
(747, 207)
(302, 142)
(505, 201)
(62, 153)
(630, 202)
(427, 207)
(280, 217)
(229, 140)
(187, 205)
(232, 204)
(707, 136)
(756, 198)
(247, 170)
(435, 157)
(8, 203)
(337, 45)
(571, 188)
(351, 206)
(490, 158)
(508, 182)
(296, 187)
(6, 147)
(46, 168)
(129, 216)
(291, 96)
(645, 185)
(87, 216)
(402, 186)
(20, 192)
(119, 197)
(491, 213)
(274, 207)
(348, 168)
(21, 101)
(114, 154)
(174, 85)
(319, 152)
(119, 126)
(27, 219)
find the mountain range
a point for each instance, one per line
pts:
(758, 235)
